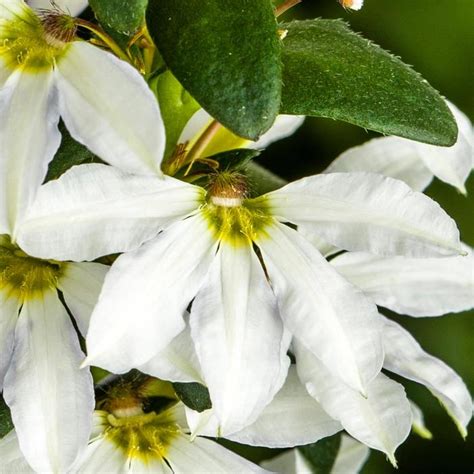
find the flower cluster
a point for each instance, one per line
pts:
(168, 267)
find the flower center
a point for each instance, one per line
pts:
(237, 224)
(23, 274)
(35, 42)
(143, 436)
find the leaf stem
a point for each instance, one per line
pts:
(285, 6)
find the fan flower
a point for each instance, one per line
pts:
(141, 428)
(47, 72)
(248, 274)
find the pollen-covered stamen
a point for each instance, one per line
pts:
(228, 189)
(59, 28)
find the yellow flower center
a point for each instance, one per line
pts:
(25, 275)
(35, 42)
(237, 223)
(144, 436)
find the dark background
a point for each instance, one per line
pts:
(437, 38)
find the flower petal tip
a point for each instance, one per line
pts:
(392, 459)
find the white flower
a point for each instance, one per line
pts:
(349, 460)
(413, 162)
(125, 438)
(199, 246)
(45, 73)
(50, 398)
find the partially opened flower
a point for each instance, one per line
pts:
(47, 72)
(352, 4)
(248, 274)
(413, 162)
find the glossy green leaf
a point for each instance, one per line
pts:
(321, 455)
(122, 16)
(226, 53)
(330, 71)
(194, 395)
(70, 153)
(6, 424)
(261, 180)
(177, 107)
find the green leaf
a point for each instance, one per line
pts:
(321, 455)
(70, 153)
(122, 16)
(177, 107)
(330, 71)
(6, 424)
(226, 53)
(194, 395)
(261, 180)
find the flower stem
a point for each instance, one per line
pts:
(201, 143)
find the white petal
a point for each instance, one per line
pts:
(288, 462)
(186, 456)
(9, 307)
(283, 127)
(95, 210)
(51, 399)
(145, 296)
(80, 284)
(350, 457)
(332, 318)
(29, 138)
(405, 357)
(293, 418)
(5, 72)
(71, 7)
(177, 362)
(370, 212)
(451, 164)
(107, 106)
(12, 459)
(396, 157)
(412, 286)
(14, 9)
(323, 247)
(382, 420)
(195, 126)
(238, 335)
(418, 424)
(102, 456)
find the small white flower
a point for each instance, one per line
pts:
(46, 72)
(352, 4)
(413, 162)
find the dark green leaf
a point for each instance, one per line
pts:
(6, 424)
(122, 16)
(262, 180)
(194, 395)
(226, 53)
(330, 71)
(321, 455)
(176, 105)
(70, 153)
